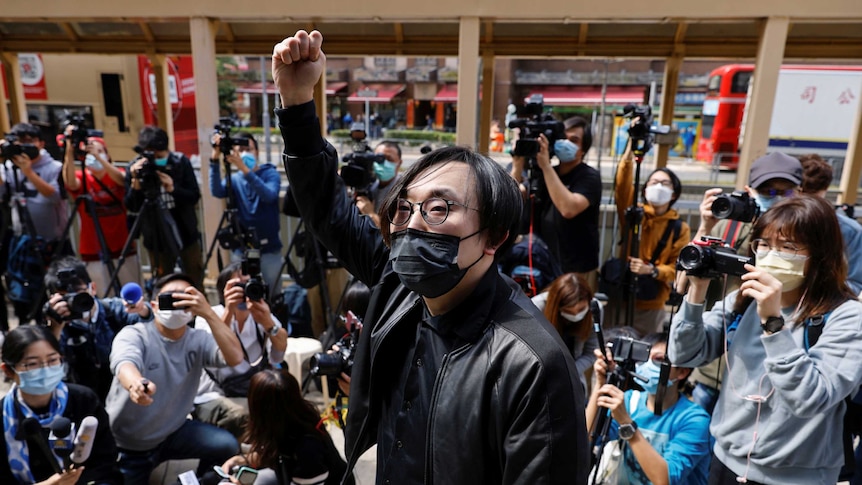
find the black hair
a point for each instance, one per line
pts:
(225, 275)
(52, 281)
(247, 136)
(498, 197)
(153, 138)
(674, 180)
(356, 298)
(164, 280)
(391, 144)
(21, 337)
(26, 130)
(581, 122)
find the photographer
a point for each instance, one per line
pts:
(105, 184)
(177, 189)
(85, 325)
(568, 220)
(222, 393)
(34, 181)
(386, 172)
(457, 354)
(662, 236)
(791, 334)
(157, 367)
(255, 186)
(672, 448)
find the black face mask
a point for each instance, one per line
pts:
(427, 262)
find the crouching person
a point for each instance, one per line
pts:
(157, 367)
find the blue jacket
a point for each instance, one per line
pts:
(256, 195)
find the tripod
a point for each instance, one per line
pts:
(90, 207)
(229, 222)
(631, 239)
(166, 228)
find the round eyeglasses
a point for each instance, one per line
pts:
(32, 364)
(785, 250)
(434, 210)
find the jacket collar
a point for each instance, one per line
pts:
(470, 317)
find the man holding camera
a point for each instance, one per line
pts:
(458, 378)
(568, 220)
(173, 192)
(157, 367)
(386, 173)
(222, 394)
(31, 180)
(254, 185)
(85, 325)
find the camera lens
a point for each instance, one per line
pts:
(722, 206)
(255, 290)
(323, 364)
(691, 257)
(80, 302)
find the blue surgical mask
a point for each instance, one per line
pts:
(385, 171)
(92, 163)
(161, 162)
(41, 381)
(652, 371)
(565, 150)
(249, 160)
(766, 203)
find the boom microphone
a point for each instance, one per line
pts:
(83, 445)
(33, 431)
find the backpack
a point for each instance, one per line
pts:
(26, 268)
(292, 308)
(532, 278)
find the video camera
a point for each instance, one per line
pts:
(333, 364)
(738, 206)
(147, 174)
(255, 288)
(80, 133)
(642, 131)
(628, 352)
(711, 258)
(227, 142)
(536, 122)
(358, 174)
(12, 148)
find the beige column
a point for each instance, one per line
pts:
(852, 163)
(17, 105)
(487, 107)
(758, 115)
(668, 100)
(320, 101)
(203, 31)
(468, 78)
(161, 70)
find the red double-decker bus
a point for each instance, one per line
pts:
(723, 110)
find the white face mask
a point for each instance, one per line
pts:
(577, 317)
(790, 272)
(658, 194)
(173, 319)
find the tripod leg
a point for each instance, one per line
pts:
(104, 251)
(214, 241)
(133, 234)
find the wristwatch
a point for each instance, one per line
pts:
(274, 330)
(628, 430)
(772, 324)
(654, 273)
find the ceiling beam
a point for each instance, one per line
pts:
(70, 31)
(147, 31)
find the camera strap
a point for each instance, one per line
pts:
(674, 226)
(108, 191)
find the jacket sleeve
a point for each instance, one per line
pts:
(813, 382)
(217, 185)
(186, 188)
(133, 199)
(623, 187)
(322, 198)
(688, 445)
(698, 337)
(266, 188)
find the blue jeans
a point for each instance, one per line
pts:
(211, 445)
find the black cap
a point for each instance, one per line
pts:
(775, 166)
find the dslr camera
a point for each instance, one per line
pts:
(358, 174)
(535, 123)
(627, 352)
(711, 258)
(227, 142)
(79, 302)
(333, 364)
(80, 133)
(255, 288)
(12, 148)
(642, 131)
(738, 206)
(148, 175)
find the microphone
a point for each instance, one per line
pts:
(61, 437)
(131, 293)
(33, 432)
(83, 444)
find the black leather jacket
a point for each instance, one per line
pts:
(508, 406)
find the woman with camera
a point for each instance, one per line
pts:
(790, 338)
(39, 398)
(566, 304)
(669, 448)
(662, 236)
(290, 441)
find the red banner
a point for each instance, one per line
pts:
(181, 89)
(32, 77)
